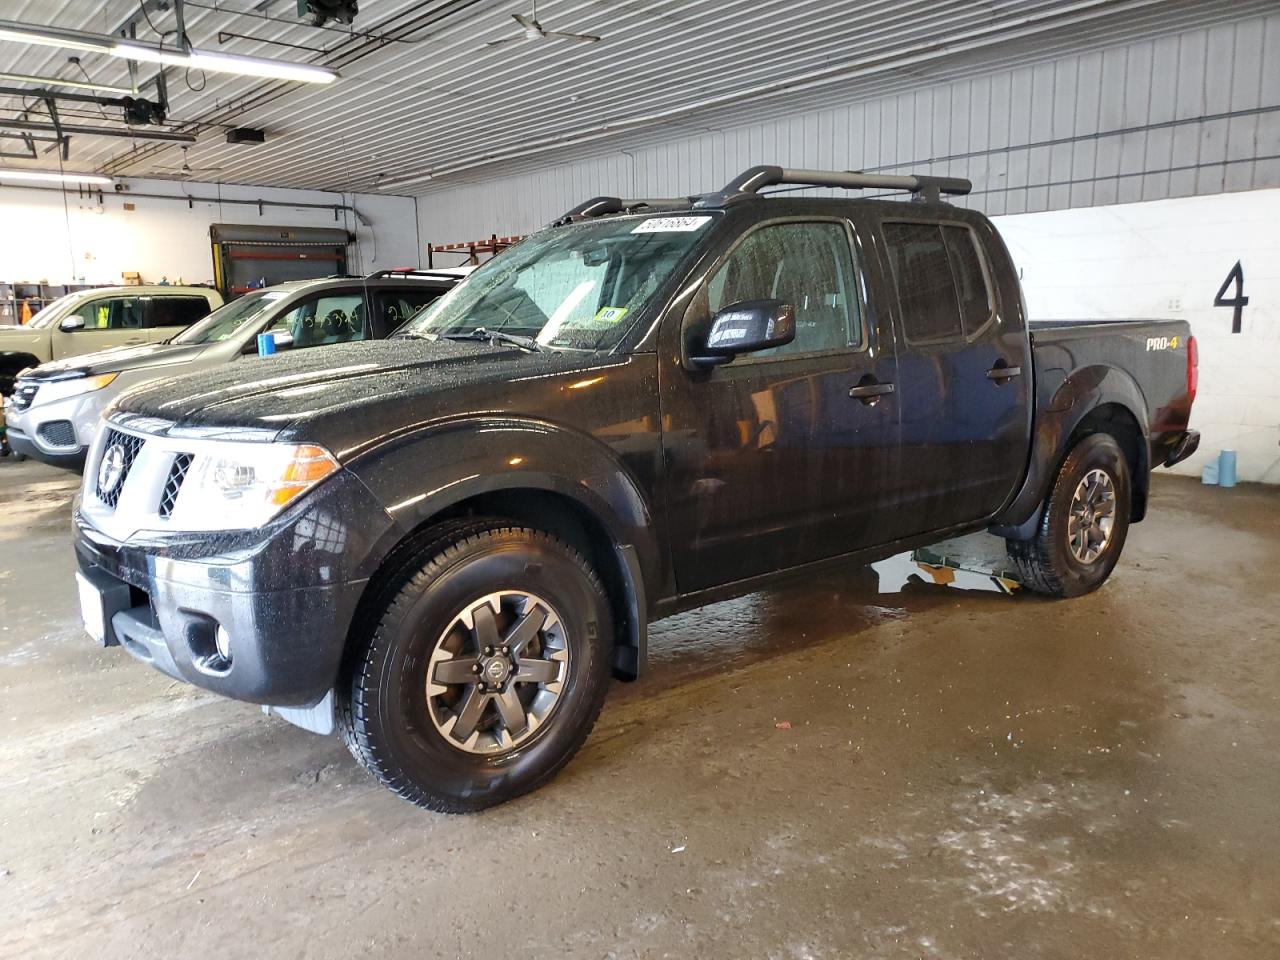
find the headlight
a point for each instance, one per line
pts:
(51, 390)
(234, 485)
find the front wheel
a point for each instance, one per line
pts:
(485, 672)
(1084, 524)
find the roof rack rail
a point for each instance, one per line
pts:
(408, 272)
(750, 182)
(603, 206)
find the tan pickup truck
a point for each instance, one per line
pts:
(93, 320)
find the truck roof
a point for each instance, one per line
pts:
(750, 182)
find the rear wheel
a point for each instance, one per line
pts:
(485, 672)
(1084, 524)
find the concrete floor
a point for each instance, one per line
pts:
(824, 771)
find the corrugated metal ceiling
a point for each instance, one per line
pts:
(422, 95)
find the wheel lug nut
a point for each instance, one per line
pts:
(475, 668)
(506, 650)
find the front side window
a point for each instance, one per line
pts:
(331, 317)
(579, 286)
(807, 265)
(400, 304)
(224, 322)
(117, 313)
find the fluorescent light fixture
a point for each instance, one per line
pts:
(200, 59)
(45, 176)
(224, 63)
(19, 33)
(75, 84)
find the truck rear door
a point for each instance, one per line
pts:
(964, 370)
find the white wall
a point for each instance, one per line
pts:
(164, 237)
(1167, 258)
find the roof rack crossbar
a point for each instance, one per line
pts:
(603, 206)
(927, 188)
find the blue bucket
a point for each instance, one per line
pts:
(266, 344)
(1227, 468)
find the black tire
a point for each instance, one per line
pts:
(1046, 563)
(384, 707)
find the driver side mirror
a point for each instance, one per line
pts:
(745, 327)
(71, 324)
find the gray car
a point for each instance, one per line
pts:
(55, 407)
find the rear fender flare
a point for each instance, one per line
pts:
(1078, 395)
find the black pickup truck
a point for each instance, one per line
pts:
(443, 544)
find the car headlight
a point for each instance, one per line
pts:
(240, 485)
(51, 390)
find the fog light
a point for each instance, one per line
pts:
(222, 640)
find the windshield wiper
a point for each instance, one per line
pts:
(496, 336)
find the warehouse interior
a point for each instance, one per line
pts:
(908, 754)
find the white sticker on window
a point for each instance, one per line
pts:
(671, 225)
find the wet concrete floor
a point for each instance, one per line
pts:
(819, 771)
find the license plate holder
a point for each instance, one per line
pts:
(101, 598)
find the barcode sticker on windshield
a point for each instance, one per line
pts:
(671, 225)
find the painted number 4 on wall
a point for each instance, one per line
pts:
(1239, 301)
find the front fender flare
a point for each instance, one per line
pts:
(423, 472)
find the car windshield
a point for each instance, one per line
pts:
(578, 286)
(45, 316)
(223, 323)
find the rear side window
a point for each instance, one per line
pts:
(177, 311)
(970, 278)
(941, 285)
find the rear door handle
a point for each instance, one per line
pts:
(870, 391)
(1002, 372)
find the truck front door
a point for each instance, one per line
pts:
(770, 461)
(964, 372)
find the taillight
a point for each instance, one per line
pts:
(1193, 368)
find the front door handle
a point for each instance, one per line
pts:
(1002, 372)
(869, 390)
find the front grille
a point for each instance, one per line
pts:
(57, 433)
(24, 394)
(177, 473)
(122, 463)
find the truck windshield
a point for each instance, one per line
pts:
(227, 319)
(578, 286)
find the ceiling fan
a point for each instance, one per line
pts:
(533, 30)
(186, 171)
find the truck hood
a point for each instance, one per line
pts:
(120, 359)
(24, 340)
(346, 395)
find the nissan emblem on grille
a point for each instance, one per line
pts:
(112, 470)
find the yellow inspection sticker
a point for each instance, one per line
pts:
(610, 315)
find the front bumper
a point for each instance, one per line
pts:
(285, 596)
(60, 432)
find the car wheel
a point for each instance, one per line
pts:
(1084, 524)
(485, 671)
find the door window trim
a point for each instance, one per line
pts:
(964, 337)
(860, 282)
